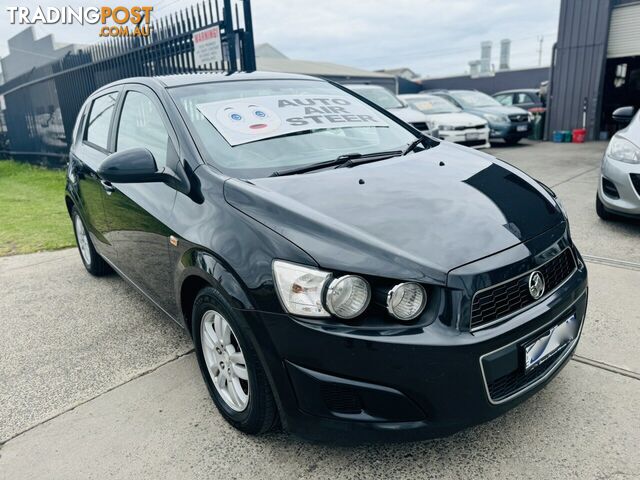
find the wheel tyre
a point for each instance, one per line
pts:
(94, 264)
(260, 414)
(602, 212)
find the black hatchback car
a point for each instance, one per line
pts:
(340, 273)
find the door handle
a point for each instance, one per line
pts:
(107, 187)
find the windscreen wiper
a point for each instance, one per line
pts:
(347, 160)
(413, 145)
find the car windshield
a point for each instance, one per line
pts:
(431, 104)
(471, 99)
(378, 95)
(253, 128)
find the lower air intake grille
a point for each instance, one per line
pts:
(341, 399)
(496, 302)
(635, 179)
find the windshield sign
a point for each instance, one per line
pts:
(246, 120)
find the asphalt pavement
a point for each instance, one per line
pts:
(97, 383)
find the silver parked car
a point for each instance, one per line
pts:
(619, 188)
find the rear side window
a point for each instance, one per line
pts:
(141, 126)
(97, 132)
(523, 98)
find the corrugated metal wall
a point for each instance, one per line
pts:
(578, 69)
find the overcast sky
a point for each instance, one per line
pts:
(432, 37)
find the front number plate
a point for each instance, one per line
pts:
(522, 128)
(541, 349)
(472, 136)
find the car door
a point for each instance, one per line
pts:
(84, 159)
(138, 213)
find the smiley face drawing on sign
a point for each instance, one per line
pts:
(248, 118)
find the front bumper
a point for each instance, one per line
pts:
(472, 137)
(507, 131)
(619, 173)
(404, 383)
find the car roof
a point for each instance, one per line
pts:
(416, 95)
(169, 81)
(516, 90)
(364, 86)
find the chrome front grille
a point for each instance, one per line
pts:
(520, 117)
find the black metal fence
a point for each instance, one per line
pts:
(42, 105)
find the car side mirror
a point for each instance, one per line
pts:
(133, 165)
(623, 115)
(137, 165)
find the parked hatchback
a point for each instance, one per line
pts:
(619, 188)
(390, 102)
(340, 274)
(510, 124)
(451, 122)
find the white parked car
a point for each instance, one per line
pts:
(391, 103)
(452, 123)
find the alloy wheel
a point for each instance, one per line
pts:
(83, 240)
(225, 360)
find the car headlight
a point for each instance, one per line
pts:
(300, 288)
(406, 301)
(445, 127)
(348, 296)
(531, 118)
(495, 118)
(623, 150)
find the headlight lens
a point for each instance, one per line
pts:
(348, 296)
(406, 301)
(445, 127)
(300, 288)
(623, 150)
(495, 118)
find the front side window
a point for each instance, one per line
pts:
(223, 115)
(141, 126)
(102, 108)
(523, 98)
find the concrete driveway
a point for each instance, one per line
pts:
(96, 383)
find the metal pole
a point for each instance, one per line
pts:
(230, 35)
(249, 49)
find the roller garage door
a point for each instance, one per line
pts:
(624, 31)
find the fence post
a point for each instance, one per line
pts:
(230, 35)
(248, 47)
